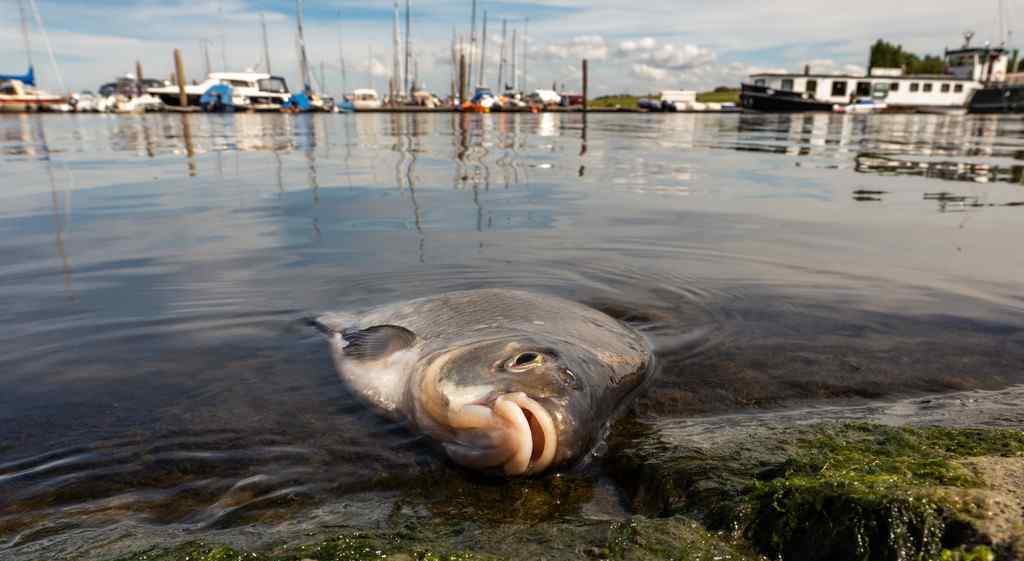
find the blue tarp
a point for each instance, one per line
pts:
(298, 101)
(28, 78)
(216, 99)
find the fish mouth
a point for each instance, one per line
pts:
(514, 433)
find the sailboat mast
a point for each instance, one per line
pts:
(483, 51)
(515, 75)
(266, 44)
(472, 42)
(303, 61)
(526, 49)
(501, 58)
(223, 39)
(341, 63)
(396, 69)
(205, 45)
(408, 47)
(24, 32)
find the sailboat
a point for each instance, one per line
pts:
(18, 92)
(307, 100)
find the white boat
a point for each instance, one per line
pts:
(16, 96)
(249, 90)
(135, 104)
(365, 98)
(861, 105)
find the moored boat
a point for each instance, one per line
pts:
(762, 98)
(1004, 98)
(364, 99)
(16, 96)
(255, 91)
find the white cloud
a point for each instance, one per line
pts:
(650, 72)
(591, 47)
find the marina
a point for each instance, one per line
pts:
(510, 281)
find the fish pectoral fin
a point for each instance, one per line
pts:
(377, 342)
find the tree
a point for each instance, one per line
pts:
(885, 54)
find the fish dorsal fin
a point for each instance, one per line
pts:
(377, 342)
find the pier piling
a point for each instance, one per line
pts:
(584, 85)
(138, 79)
(179, 69)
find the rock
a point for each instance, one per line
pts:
(833, 491)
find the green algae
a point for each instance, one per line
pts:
(636, 539)
(851, 491)
(865, 491)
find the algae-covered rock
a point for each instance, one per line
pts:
(636, 539)
(835, 491)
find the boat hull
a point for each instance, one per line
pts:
(760, 98)
(24, 104)
(999, 99)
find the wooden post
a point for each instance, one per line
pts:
(138, 79)
(584, 85)
(180, 71)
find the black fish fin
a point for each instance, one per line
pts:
(377, 342)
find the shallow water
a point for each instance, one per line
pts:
(158, 379)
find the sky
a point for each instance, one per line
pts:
(632, 47)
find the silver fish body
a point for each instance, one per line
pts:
(505, 380)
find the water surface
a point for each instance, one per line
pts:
(159, 382)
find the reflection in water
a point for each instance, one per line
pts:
(179, 392)
(977, 172)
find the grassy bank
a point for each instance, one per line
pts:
(626, 101)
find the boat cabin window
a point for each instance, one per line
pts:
(272, 85)
(237, 83)
(894, 87)
(959, 88)
(927, 87)
(944, 88)
(863, 88)
(759, 82)
(787, 84)
(839, 87)
(812, 87)
(8, 88)
(914, 86)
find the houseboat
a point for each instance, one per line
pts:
(967, 69)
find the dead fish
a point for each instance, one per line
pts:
(505, 380)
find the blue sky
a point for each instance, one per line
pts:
(633, 47)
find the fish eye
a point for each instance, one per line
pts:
(524, 361)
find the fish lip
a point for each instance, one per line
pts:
(511, 432)
(535, 434)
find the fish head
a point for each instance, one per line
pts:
(520, 404)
